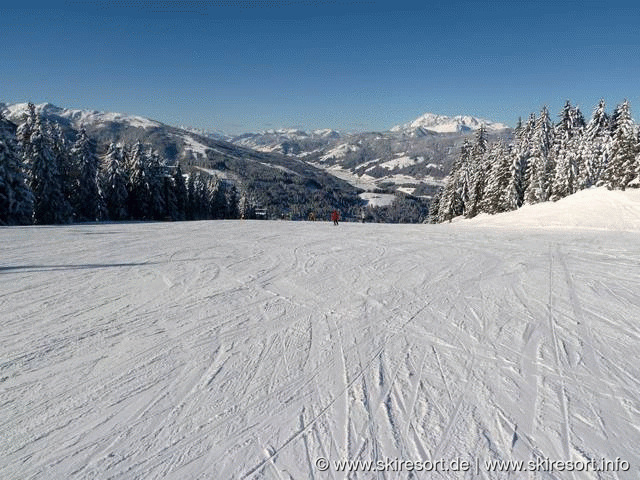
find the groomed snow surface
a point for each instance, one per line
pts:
(251, 349)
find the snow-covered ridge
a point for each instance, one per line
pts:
(274, 137)
(295, 132)
(195, 146)
(444, 124)
(78, 118)
(339, 152)
(215, 134)
(400, 161)
(291, 141)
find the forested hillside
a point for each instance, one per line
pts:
(545, 162)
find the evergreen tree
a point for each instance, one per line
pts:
(156, 187)
(540, 167)
(45, 180)
(191, 197)
(114, 184)
(536, 176)
(170, 199)
(451, 202)
(201, 197)
(578, 119)
(138, 186)
(566, 152)
(497, 190)
(594, 147)
(24, 132)
(180, 193)
(514, 195)
(519, 164)
(622, 167)
(544, 131)
(571, 120)
(16, 201)
(245, 207)
(477, 173)
(613, 120)
(566, 181)
(519, 127)
(217, 198)
(434, 207)
(68, 169)
(87, 198)
(464, 179)
(232, 205)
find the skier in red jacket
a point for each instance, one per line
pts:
(335, 216)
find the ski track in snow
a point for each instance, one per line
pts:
(250, 349)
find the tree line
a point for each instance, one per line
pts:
(44, 179)
(545, 161)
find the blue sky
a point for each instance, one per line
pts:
(248, 65)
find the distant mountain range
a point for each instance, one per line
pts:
(411, 159)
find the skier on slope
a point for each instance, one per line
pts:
(335, 216)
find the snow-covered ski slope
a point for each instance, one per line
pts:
(223, 350)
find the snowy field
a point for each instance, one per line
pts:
(223, 350)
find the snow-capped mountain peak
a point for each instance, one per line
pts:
(76, 117)
(444, 124)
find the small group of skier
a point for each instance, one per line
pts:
(335, 217)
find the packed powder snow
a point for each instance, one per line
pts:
(258, 349)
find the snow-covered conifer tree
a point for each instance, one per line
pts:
(565, 181)
(497, 189)
(621, 168)
(180, 193)
(566, 152)
(66, 164)
(232, 210)
(540, 167)
(478, 166)
(451, 202)
(16, 201)
(45, 180)
(245, 207)
(24, 131)
(87, 199)
(594, 147)
(521, 151)
(191, 197)
(170, 200)
(200, 196)
(217, 198)
(138, 186)
(464, 176)
(434, 206)
(156, 186)
(114, 184)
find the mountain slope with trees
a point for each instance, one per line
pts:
(87, 166)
